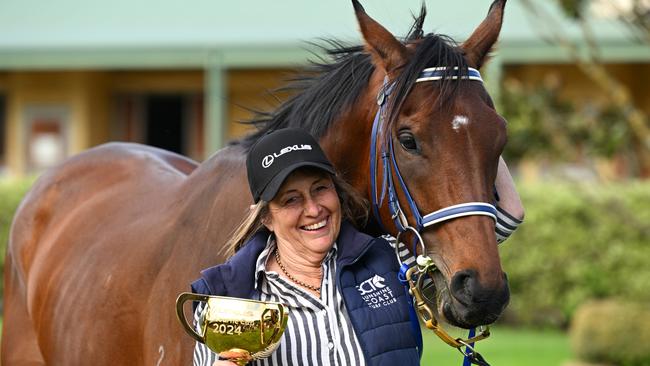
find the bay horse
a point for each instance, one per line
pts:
(102, 244)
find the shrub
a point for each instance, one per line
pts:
(11, 193)
(612, 332)
(543, 123)
(578, 242)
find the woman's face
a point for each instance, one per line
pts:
(306, 212)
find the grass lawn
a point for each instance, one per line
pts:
(505, 347)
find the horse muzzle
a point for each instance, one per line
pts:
(467, 303)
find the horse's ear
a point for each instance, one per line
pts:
(387, 52)
(478, 45)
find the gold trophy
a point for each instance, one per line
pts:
(238, 330)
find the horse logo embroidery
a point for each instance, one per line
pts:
(378, 281)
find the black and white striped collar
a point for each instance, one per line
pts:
(265, 255)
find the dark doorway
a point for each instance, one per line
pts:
(165, 115)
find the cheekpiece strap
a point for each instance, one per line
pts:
(377, 127)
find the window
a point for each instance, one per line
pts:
(46, 135)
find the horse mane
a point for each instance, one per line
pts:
(327, 86)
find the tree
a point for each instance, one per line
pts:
(635, 14)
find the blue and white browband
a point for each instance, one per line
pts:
(439, 73)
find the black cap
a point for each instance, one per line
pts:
(275, 155)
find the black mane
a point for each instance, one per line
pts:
(326, 88)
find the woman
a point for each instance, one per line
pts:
(299, 247)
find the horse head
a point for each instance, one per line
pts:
(439, 139)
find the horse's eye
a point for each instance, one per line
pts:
(408, 142)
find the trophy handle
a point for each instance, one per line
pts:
(180, 301)
(278, 326)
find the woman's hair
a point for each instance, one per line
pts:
(251, 224)
(354, 208)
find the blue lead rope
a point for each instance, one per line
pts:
(415, 324)
(468, 350)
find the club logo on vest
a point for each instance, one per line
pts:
(375, 293)
(269, 159)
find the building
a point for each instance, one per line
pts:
(179, 75)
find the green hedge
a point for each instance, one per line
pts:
(579, 242)
(11, 192)
(612, 332)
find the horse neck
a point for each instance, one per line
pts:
(207, 205)
(347, 142)
(224, 169)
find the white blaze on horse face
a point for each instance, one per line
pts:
(458, 122)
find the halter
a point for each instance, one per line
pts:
(389, 165)
(412, 277)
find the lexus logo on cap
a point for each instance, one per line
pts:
(269, 159)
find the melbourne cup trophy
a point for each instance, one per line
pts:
(237, 330)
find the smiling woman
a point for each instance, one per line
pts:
(299, 247)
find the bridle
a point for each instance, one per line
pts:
(412, 278)
(389, 166)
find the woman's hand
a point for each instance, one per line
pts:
(224, 363)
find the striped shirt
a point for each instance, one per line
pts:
(318, 331)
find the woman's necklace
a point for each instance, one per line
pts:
(284, 270)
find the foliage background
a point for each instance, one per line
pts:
(11, 192)
(579, 242)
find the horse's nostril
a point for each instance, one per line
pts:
(474, 303)
(463, 285)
